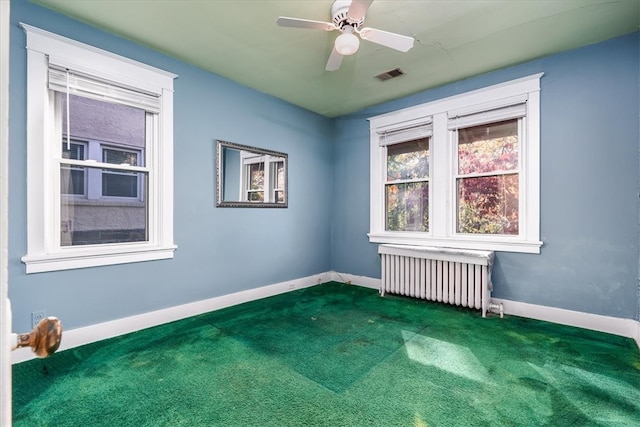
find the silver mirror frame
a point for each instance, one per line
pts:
(220, 145)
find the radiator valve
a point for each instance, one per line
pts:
(496, 308)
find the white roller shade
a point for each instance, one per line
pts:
(504, 109)
(101, 90)
(423, 130)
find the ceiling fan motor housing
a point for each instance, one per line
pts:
(340, 17)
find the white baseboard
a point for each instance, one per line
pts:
(86, 335)
(76, 337)
(628, 328)
(367, 282)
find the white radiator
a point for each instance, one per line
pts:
(452, 276)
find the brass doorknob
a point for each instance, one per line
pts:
(45, 338)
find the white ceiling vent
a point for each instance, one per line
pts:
(391, 74)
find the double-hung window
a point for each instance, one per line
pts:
(406, 187)
(99, 157)
(262, 178)
(461, 172)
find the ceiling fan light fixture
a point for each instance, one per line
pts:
(347, 43)
(348, 17)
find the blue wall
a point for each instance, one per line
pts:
(220, 250)
(589, 183)
(589, 206)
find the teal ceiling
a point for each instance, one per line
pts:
(454, 40)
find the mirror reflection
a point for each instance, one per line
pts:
(250, 176)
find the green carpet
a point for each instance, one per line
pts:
(337, 355)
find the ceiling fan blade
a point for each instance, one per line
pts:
(385, 38)
(358, 9)
(284, 21)
(334, 62)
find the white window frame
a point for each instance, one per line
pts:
(443, 159)
(44, 252)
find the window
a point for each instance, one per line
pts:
(407, 186)
(255, 181)
(461, 172)
(105, 196)
(487, 179)
(262, 178)
(278, 181)
(72, 178)
(121, 183)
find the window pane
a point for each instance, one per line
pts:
(407, 206)
(93, 120)
(73, 150)
(408, 160)
(119, 184)
(488, 205)
(277, 181)
(488, 148)
(279, 172)
(72, 180)
(119, 157)
(98, 221)
(256, 196)
(256, 176)
(110, 133)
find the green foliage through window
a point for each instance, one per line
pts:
(407, 188)
(488, 180)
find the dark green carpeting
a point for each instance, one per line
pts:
(337, 355)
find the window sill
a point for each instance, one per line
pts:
(473, 243)
(86, 257)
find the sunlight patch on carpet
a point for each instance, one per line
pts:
(581, 387)
(419, 422)
(446, 356)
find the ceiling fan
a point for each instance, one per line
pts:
(348, 17)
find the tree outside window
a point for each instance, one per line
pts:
(407, 186)
(487, 182)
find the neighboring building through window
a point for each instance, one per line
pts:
(99, 205)
(460, 172)
(99, 153)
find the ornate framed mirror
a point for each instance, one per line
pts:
(250, 177)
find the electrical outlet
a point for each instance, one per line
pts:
(36, 317)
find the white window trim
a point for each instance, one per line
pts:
(442, 215)
(44, 252)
